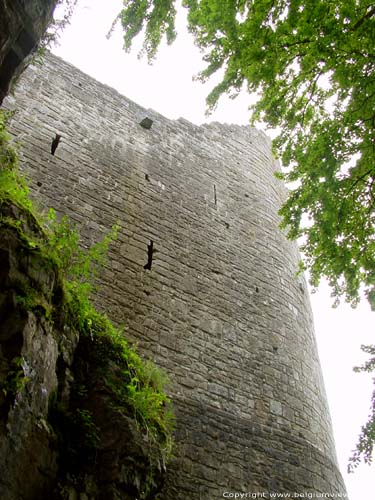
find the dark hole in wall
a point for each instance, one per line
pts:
(147, 177)
(146, 123)
(55, 143)
(150, 251)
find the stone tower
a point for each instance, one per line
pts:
(201, 277)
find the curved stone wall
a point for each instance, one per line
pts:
(201, 276)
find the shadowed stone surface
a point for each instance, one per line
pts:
(22, 24)
(28, 356)
(220, 306)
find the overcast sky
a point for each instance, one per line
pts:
(167, 87)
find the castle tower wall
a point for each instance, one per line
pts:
(221, 308)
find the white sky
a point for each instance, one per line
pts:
(167, 87)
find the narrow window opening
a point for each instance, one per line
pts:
(150, 251)
(257, 289)
(215, 195)
(147, 177)
(146, 122)
(55, 143)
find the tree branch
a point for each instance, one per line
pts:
(366, 16)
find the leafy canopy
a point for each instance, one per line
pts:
(312, 63)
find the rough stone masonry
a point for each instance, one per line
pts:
(201, 276)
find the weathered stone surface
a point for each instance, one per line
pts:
(22, 24)
(220, 306)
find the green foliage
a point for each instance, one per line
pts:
(133, 383)
(80, 265)
(366, 443)
(30, 299)
(157, 17)
(12, 185)
(16, 378)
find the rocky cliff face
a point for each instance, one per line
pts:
(28, 360)
(22, 24)
(62, 433)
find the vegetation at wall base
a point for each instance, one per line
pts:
(131, 385)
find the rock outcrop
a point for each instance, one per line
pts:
(22, 25)
(28, 358)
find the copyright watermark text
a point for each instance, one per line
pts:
(262, 494)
